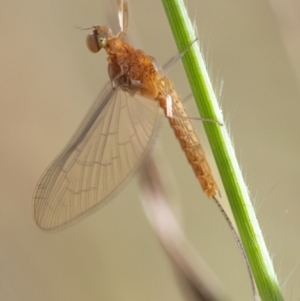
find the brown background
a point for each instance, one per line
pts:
(48, 80)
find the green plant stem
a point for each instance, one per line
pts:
(223, 152)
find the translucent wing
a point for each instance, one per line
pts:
(107, 146)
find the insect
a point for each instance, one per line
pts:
(116, 134)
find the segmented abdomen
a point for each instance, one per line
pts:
(189, 142)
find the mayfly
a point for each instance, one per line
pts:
(115, 134)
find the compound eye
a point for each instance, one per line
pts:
(92, 43)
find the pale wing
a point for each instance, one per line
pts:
(105, 149)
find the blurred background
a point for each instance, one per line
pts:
(48, 80)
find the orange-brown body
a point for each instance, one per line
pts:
(135, 71)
